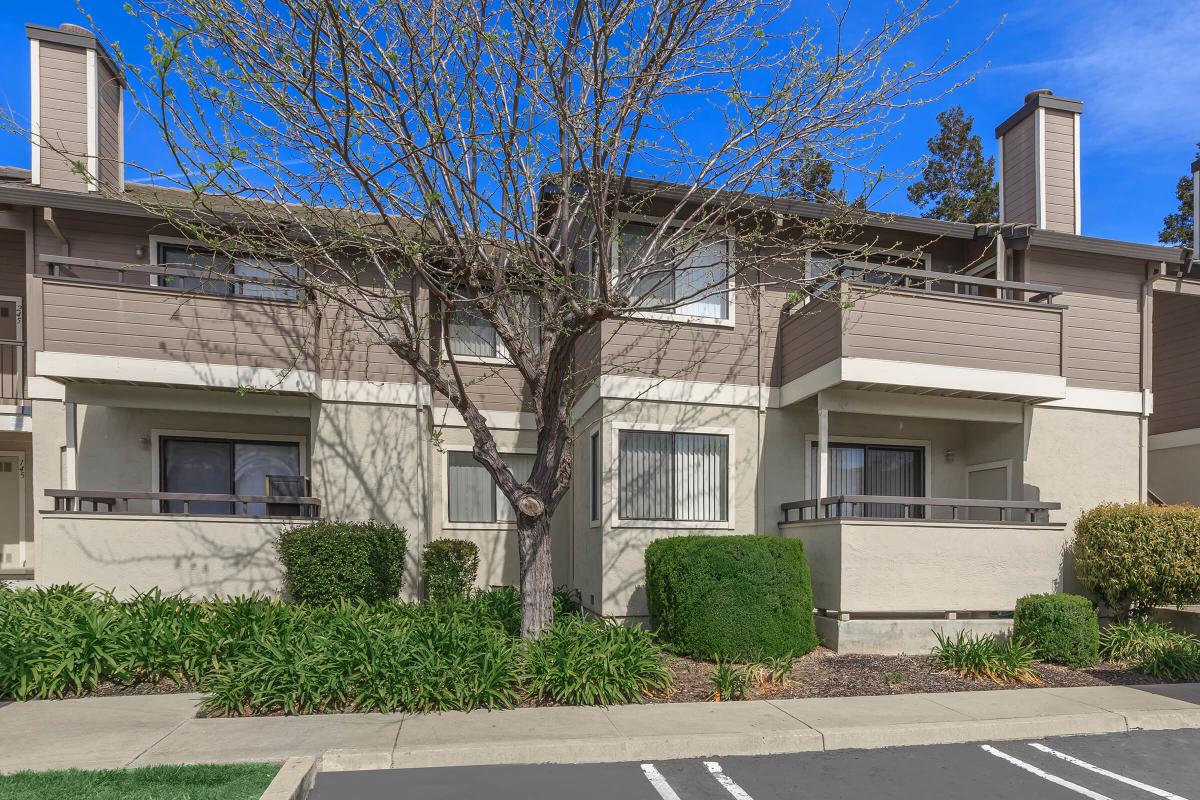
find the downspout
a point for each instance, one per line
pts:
(760, 495)
(1147, 355)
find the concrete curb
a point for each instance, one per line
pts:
(294, 780)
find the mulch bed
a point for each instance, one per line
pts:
(823, 673)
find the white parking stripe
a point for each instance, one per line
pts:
(726, 781)
(1145, 787)
(659, 782)
(1063, 782)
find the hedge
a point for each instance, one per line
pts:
(1061, 628)
(328, 560)
(450, 567)
(731, 597)
(1137, 556)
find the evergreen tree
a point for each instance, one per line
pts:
(958, 183)
(808, 175)
(1177, 226)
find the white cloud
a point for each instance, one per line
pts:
(1136, 66)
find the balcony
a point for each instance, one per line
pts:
(136, 331)
(932, 332)
(885, 579)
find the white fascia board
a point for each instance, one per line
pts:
(38, 388)
(628, 387)
(823, 377)
(179, 373)
(447, 417)
(16, 422)
(1165, 441)
(374, 393)
(953, 379)
(898, 404)
(1125, 402)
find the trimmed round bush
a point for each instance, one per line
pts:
(1136, 556)
(450, 567)
(327, 561)
(731, 597)
(1061, 628)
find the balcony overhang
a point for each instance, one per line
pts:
(119, 369)
(880, 375)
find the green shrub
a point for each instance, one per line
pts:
(503, 604)
(583, 661)
(1061, 628)
(1177, 660)
(740, 597)
(450, 567)
(1136, 556)
(326, 561)
(1129, 643)
(979, 656)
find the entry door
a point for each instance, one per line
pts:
(988, 482)
(10, 323)
(11, 511)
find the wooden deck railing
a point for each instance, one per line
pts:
(923, 509)
(103, 502)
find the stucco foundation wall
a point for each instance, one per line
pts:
(200, 556)
(876, 567)
(1175, 473)
(891, 637)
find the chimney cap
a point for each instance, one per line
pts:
(1039, 98)
(72, 35)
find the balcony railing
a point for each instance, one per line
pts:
(104, 502)
(884, 277)
(12, 373)
(925, 509)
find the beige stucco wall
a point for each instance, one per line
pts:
(872, 567)
(1175, 473)
(195, 555)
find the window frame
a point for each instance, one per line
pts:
(158, 435)
(498, 496)
(730, 523)
(811, 440)
(502, 357)
(728, 321)
(596, 478)
(158, 242)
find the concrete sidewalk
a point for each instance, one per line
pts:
(134, 731)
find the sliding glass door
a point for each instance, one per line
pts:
(872, 469)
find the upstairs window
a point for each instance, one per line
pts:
(469, 335)
(244, 277)
(690, 279)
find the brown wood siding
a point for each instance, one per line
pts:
(1176, 370)
(109, 123)
(105, 237)
(63, 95)
(954, 331)
(133, 322)
(1060, 170)
(587, 359)
(12, 263)
(1103, 326)
(810, 338)
(1020, 172)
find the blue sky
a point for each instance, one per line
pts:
(1133, 65)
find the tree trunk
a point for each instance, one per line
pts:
(537, 580)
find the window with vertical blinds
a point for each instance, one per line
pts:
(596, 473)
(673, 476)
(472, 495)
(868, 469)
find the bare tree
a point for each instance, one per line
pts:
(441, 160)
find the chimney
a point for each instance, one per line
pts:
(1196, 210)
(76, 110)
(1039, 163)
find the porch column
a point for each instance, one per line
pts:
(822, 456)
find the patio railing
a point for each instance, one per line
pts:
(925, 509)
(102, 502)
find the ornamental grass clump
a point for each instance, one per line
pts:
(980, 657)
(582, 661)
(1152, 647)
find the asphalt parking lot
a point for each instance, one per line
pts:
(1124, 766)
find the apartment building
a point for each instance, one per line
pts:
(931, 440)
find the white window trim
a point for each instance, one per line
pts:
(927, 258)
(158, 434)
(596, 483)
(925, 444)
(22, 531)
(614, 465)
(1006, 464)
(444, 501)
(667, 316)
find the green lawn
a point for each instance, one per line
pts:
(193, 782)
